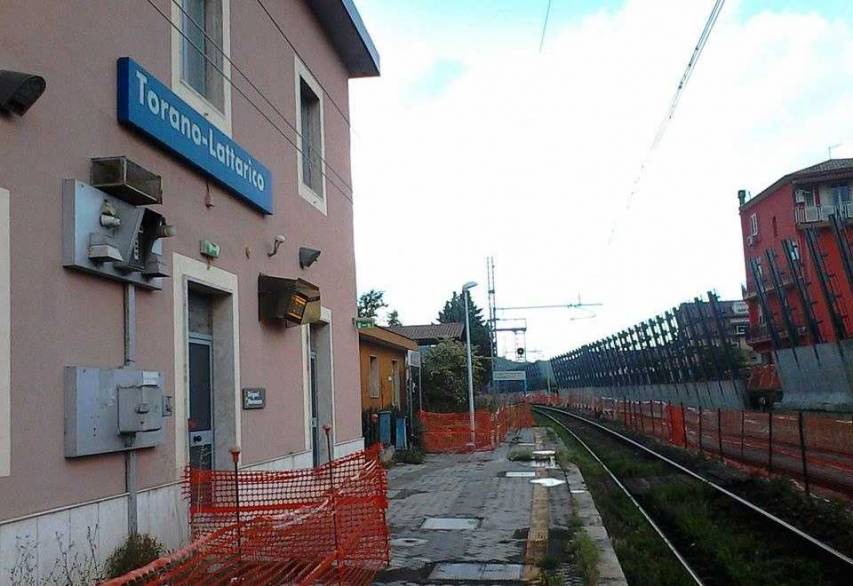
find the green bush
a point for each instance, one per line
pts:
(411, 455)
(517, 454)
(137, 551)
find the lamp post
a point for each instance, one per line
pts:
(466, 294)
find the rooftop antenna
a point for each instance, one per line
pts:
(830, 147)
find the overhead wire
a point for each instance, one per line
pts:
(661, 130)
(544, 25)
(325, 165)
(305, 63)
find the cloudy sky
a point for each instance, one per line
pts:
(473, 143)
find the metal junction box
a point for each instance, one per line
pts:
(106, 236)
(112, 410)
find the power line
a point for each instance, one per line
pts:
(682, 84)
(248, 99)
(304, 62)
(544, 25)
(249, 81)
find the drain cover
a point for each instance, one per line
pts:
(476, 571)
(450, 523)
(407, 542)
(521, 474)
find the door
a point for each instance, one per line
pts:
(315, 423)
(395, 383)
(200, 418)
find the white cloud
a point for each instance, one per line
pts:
(530, 157)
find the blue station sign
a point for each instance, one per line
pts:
(149, 107)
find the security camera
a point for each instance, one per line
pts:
(19, 91)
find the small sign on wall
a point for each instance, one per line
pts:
(254, 398)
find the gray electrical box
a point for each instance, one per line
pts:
(106, 236)
(112, 410)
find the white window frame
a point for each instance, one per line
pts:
(753, 225)
(374, 377)
(5, 338)
(221, 120)
(318, 200)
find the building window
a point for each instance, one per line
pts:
(753, 225)
(840, 194)
(740, 329)
(795, 250)
(311, 142)
(198, 63)
(805, 196)
(373, 383)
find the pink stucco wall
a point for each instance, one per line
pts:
(61, 317)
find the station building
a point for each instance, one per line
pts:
(177, 274)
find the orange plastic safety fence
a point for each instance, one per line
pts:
(325, 525)
(451, 432)
(812, 448)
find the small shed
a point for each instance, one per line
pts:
(384, 376)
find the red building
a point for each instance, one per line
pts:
(797, 240)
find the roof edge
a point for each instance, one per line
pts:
(342, 22)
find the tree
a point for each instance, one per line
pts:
(445, 377)
(370, 302)
(454, 311)
(394, 318)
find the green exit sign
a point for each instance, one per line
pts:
(210, 249)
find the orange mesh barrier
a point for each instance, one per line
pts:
(815, 449)
(451, 432)
(763, 378)
(325, 525)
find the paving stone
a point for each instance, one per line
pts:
(476, 571)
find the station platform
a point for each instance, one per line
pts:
(478, 518)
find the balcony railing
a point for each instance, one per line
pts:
(815, 214)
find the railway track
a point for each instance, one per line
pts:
(838, 565)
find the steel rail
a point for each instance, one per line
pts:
(799, 532)
(640, 508)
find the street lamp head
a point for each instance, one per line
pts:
(469, 285)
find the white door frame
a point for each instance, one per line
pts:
(184, 271)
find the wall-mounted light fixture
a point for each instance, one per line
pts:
(308, 256)
(277, 241)
(19, 91)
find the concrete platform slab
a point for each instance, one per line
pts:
(450, 523)
(468, 571)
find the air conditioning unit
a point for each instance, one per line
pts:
(751, 239)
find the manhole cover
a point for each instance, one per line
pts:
(521, 474)
(548, 482)
(407, 542)
(450, 523)
(476, 571)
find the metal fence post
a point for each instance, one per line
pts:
(803, 451)
(328, 429)
(720, 432)
(742, 416)
(770, 443)
(701, 449)
(235, 458)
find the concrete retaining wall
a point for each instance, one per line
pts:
(817, 377)
(711, 394)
